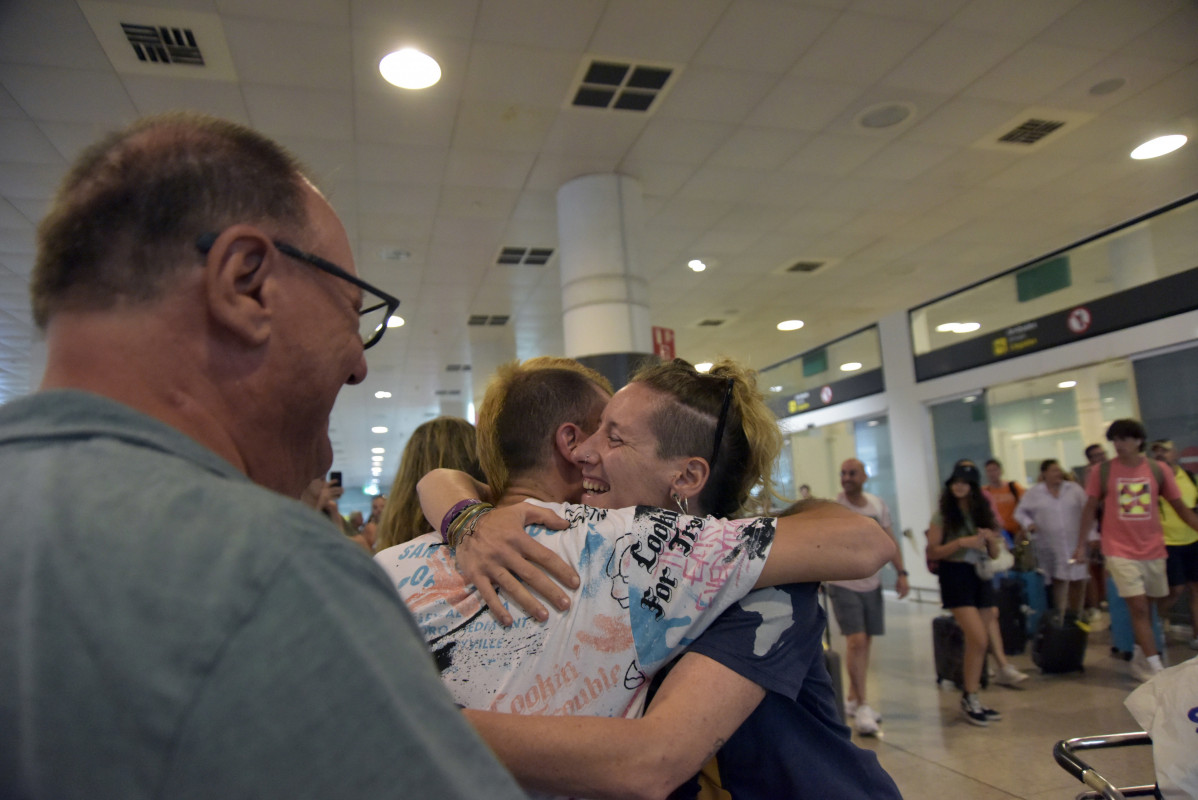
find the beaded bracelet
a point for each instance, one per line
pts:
(453, 514)
(463, 526)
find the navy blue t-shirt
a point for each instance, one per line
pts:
(794, 744)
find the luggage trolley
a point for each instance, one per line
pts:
(1065, 752)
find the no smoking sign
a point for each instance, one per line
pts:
(1079, 320)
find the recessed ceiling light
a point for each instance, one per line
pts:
(378, 449)
(958, 327)
(376, 470)
(1047, 401)
(382, 395)
(376, 459)
(790, 325)
(372, 489)
(775, 388)
(873, 423)
(970, 399)
(696, 265)
(410, 69)
(1108, 399)
(379, 429)
(395, 322)
(703, 366)
(1066, 384)
(850, 366)
(1158, 146)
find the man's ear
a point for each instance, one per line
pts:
(235, 271)
(691, 478)
(567, 438)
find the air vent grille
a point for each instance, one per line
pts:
(805, 266)
(447, 392)
(1031, 131)
(525, 256)
(163, 45)
(457, 367)
(483, 319)
(609, 84)
(710, 323)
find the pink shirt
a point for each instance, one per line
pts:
(1131, 517)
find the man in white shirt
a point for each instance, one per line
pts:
(858, 603)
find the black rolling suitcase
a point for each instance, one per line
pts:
(1012, 617)
(832, 658)
(948, 651)
(1060, 645)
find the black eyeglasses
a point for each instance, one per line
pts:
(372, 318)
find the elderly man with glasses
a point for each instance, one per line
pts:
(174, 624)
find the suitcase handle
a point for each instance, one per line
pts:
(1065, 753)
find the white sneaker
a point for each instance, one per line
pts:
(1144, 670)
(1010, 676)
(850, 708)
(866, 721)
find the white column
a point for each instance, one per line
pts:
(916, 484)
(605, 306)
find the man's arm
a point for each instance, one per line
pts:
(1185, 512)
(698, 706)
(827, 542)
(1089, 515)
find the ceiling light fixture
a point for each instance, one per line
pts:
(696, 265)
(409, 68)
(970, 399)
(703, 366)
(850, 366)
(958, 327)
(395, 322)
(1159, 146)
(378, 449)
(376, 459)
(1066, 384)
(379, 429)
(382, 395)
(775, 388)
(790, 325)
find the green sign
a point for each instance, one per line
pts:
(1043, 278)
(815, 362)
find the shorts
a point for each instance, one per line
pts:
(1053, 554)
(857, 612)
(960, 586)
(1182, 564)
(1134, 578)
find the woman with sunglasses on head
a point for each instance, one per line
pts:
(962, 531)
(698, 444)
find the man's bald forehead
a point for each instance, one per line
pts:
(853, 463)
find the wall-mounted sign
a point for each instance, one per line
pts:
(1161, 298)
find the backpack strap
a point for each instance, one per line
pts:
(1104, 475)
(1014, 487)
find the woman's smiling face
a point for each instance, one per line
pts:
(620, 465)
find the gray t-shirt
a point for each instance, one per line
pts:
(172, 630)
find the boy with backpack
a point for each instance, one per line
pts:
(1129, 487)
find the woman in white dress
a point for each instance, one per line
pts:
(1051, 511)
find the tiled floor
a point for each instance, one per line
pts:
(933, 754)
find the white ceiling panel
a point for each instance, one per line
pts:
(314, 56)
(758, 35)
(949, 60)
(861, 48)
(53, 94)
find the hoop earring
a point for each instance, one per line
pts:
(681, 502)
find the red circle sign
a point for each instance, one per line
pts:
(1079, 319)
(825, 394)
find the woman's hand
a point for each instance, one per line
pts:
(500, 553)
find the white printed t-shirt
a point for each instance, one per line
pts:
(651, 581)
(876, 509)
